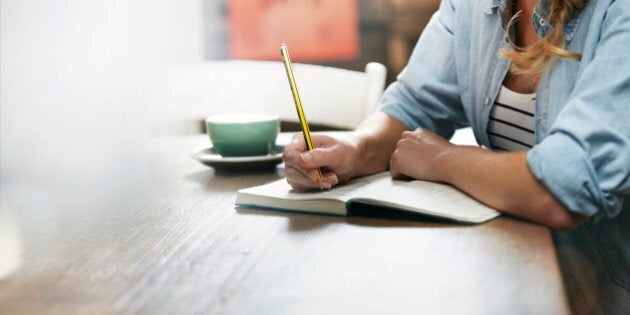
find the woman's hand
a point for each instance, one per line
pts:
(500, 180)
(415, 155)
(364, 151)
(336, 158)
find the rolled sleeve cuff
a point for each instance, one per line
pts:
(399, 113)
(565, 168)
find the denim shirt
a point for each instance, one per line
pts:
(582, 119)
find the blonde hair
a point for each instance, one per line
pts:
(533, 59)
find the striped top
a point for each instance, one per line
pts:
(511, 125)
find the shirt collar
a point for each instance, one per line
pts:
(543, 26)
(539, 20)
(491, 5)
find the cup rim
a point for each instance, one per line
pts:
(240, 118)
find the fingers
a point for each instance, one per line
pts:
(319, 157)
(299, 176)
(425, 136)
(409, 150)
(394, 163)
(416, 154)
(299, 181)
(302, 166)
(296, 155)
(416, 134)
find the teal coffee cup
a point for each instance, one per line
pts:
(243, 134)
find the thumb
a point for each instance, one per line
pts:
(320, 155)
(314, 158)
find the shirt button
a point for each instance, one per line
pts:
(487, 101)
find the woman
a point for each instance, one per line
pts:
(546, 89)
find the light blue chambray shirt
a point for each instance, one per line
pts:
(582, 150)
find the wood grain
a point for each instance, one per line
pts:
(182, 247)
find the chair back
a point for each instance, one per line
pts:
(332, 97)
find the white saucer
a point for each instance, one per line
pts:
(207, 156)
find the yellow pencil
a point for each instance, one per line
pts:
(298, 103)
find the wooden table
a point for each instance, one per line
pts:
(181, 247)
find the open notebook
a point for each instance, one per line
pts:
(379, 191)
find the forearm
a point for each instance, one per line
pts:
(505, 182)
(375, 140)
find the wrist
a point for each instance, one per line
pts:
(369, 155)
(359, 149)
(444, 163)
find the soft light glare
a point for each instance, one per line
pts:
(77, 96)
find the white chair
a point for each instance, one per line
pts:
(332, 97)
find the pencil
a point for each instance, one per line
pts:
(298, 103)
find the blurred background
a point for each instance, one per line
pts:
(361, 31)
(79, 83)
